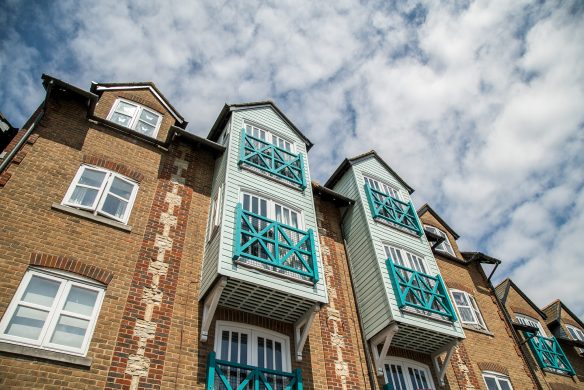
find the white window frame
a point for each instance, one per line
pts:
(271, 207)
(445, 246)
(405, 364)
(136, 117)
(253, 332)
(497, 377)
(96, 207)
(530, 321)
(216, 212)
(473, 306)
(67, 281)
(404, 254)
(382, 186)
(271, 136)
(575, 332)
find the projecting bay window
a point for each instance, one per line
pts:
(52, 311)
(272, 155)
(416, 290)
(546, 350)
(102, 192)
(271, 236)
(136, 117)
(250, 355)
(468, 309)
(403, 374)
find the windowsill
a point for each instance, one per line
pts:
(477, 330)
(259, 172)
(87, 215)
(44, 354)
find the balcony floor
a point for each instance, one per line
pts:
(262, 301)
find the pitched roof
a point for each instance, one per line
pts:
(507, 283)
(223, 117)
(326, 193)
(554, 312)
(426, 208)
(98, 88)
(346, 164)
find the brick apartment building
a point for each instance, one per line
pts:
(138, 255)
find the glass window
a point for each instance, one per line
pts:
(271, 210)
(444, 245)
(215, 212)
(403, 374)
(468, 308)
(529, 321)
(103, 192)
(576, 333)
(382, 187)
(52, 311)
(269, 137)
(496, 381)
(404, 258)
(136, 117)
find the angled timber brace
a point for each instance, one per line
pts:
(441, 369)
(210, 305)
(301, 329)
(384, 337)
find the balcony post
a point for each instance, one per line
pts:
(447, 297)
(237, 238)
(313, 254)
(395, 283)
(302, 176)
(298, 373)
(242, 147)
(211, 371)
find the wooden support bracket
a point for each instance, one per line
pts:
(301, 329)
(384, 337)
(210, 305)
(441, 369)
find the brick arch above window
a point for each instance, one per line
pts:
(112, 166)
(460, 286)
(525, 312)
(72, 265)
(493, 367)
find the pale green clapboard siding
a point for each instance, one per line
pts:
(211, 257)
(380, 234)
(367, 277)
(238, 179)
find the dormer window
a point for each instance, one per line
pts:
(444, 245)
(136, 117)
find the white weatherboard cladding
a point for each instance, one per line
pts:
(238, 179)
(379, 233)
(211, 257)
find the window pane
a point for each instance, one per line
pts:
(70, 331)
(279, 356)
(224, 345)
(269, 354)
(120, 119)
(261, 352)
(491, 383)
(234, 346)
(466, 314)
(504, 384)
(149, 117)
(92, 178)
(80, 301)
(114, 206)
(243, 349)
(459, 299)
(121, 188)
(83, 196)
(145, 128)
(41, 291)
(26, 322)
(126, 108)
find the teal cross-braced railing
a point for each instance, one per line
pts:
(392, 210)
(224, 375)
(420, 291)
(273, 160)
(275, 246)
(548, 353)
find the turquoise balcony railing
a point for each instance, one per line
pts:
(392, 210)
(273, 160)
(420, 291)
(274, 246)
(234, 376)
(548, 353)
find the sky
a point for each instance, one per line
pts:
(479, 106)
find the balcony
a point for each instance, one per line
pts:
(272, 160)
(234, 376)
(274, 247)
(393, 211)
(549, 354)
(420, 291)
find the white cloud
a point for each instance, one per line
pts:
(478, 106)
